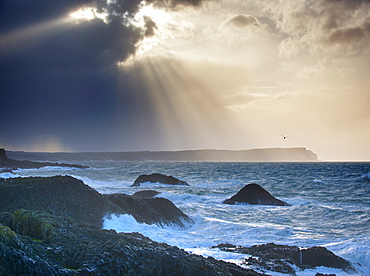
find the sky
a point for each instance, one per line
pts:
(130, 75)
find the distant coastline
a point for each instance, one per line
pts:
(300, 154)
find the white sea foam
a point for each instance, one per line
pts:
(50, 168)
(7, 175)
(198, 239)
(104, 186)
(366, 176)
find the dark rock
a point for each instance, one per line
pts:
(37, 243)
(276, 265)
(225, 246)
(320, 256)
(158, 178)
(11, 164)
(145, 194)
(256, 195)
(159, 211)
(58, 195)
(280, 258)
(67, 196)
(3, 154)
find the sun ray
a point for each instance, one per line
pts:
(11, 39)
(186, 110)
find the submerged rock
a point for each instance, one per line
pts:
(158, 178)
(67, 196)
(256, 195)
(37, 243)
(283, 258)
(11, 164)
(145, 194)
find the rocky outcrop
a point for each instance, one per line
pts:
(3, 154)
(158, 178)
(159, 211)
(67, 196)
(256, 195)
(58, 195)
(11, 164)
(283, 258)
(145, 194)
(37, 243)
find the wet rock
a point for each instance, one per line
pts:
(281, 258)
(159, 211)
(256, 195)
(145, 194)
(225, 246)
(38, 243)
(58, 195)
(11, 164)
(67, 196)
(158, 178)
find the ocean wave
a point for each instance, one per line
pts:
(366, 177)
(51, 168)
(357, 250)
(105, 186)
(7, 175)
(329, 204)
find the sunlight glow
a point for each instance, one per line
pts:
(160, 17)
(162, 20)
(88, 13)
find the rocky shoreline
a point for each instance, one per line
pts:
(69, 197)
(53, 226)
(38, 243)
(285, 259)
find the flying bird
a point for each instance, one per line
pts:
(284, 137)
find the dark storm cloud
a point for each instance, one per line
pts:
(65, 82)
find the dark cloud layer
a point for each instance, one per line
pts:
(65, 82)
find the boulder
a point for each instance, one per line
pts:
(38, 243)
(158, 178)
(256, 195)
(67, 196)
(159, 211)
(283, 258)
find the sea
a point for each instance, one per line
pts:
(330, 205)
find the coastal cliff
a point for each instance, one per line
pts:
(8, 164)
(253, 155)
